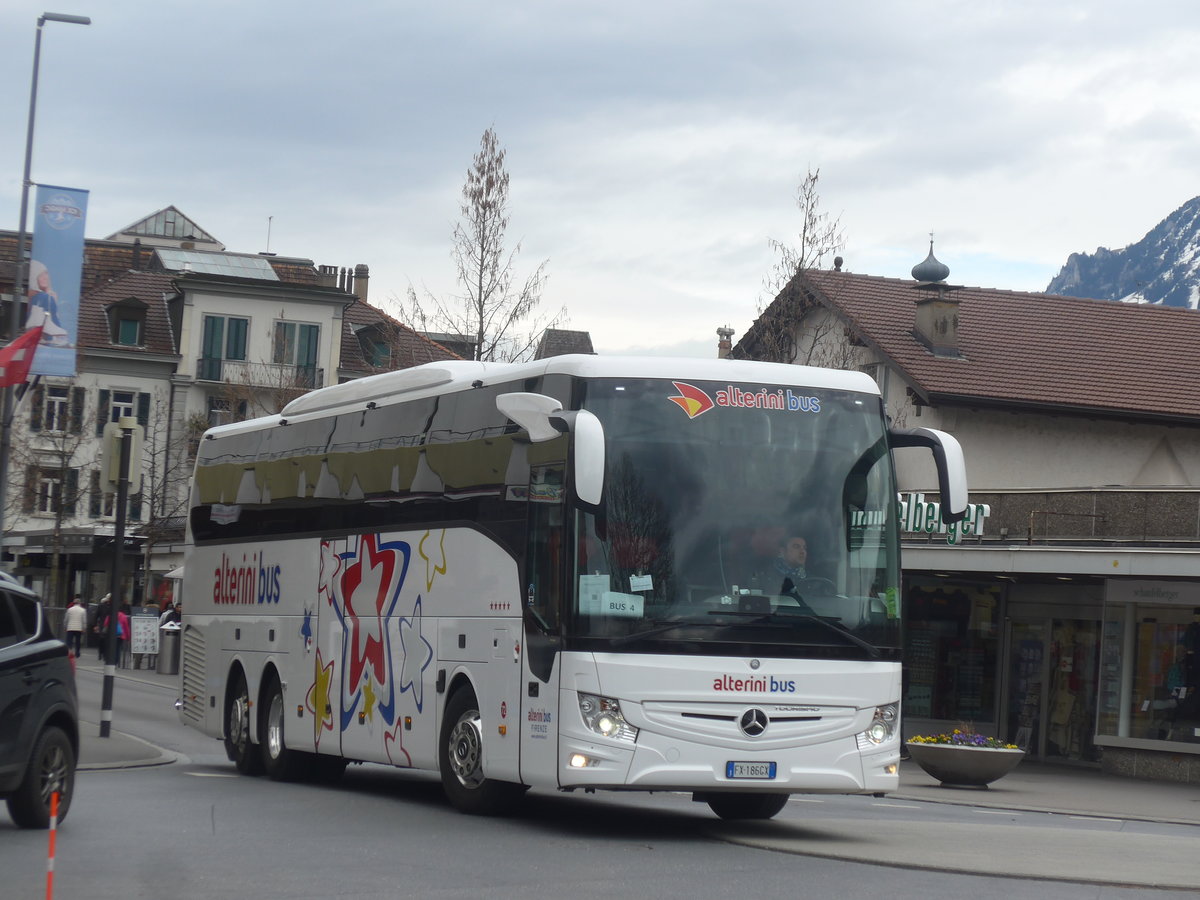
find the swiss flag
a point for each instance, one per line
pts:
(17, 357)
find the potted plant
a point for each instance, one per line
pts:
(964, 758)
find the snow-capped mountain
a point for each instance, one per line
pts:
(1163, 267)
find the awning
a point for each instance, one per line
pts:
(175, 573)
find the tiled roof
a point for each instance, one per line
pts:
(147, 287)
(559, 342)
(1029, 349)
(408, 347)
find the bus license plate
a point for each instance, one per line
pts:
(764, 770)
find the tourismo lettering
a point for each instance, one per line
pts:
(761, 685)
(735, 397)
(245, 584)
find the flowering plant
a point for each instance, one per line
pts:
(960, 738)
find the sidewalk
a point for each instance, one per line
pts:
(119, 750)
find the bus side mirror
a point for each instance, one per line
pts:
(543, 417)
(951, 469)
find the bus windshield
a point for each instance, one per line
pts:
(745, 516)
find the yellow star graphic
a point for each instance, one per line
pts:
(369, 699)
(435, 558)
(318, 701)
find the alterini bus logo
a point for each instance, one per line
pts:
(696, 402)
(691, 400)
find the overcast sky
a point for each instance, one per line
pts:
(653, 147)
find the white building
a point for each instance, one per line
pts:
(1061, 620)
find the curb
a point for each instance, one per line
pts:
(156, 756)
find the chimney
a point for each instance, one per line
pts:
(361, 275)
(937, 311)
(724, 345)
(327, 276)
(137, 254)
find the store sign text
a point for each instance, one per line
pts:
(925, 517)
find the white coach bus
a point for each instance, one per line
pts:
(582, 572)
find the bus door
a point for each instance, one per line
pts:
(541, 658)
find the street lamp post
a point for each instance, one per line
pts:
(22, 264)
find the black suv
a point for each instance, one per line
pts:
(39, 722)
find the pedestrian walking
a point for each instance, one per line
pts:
(75, 621)
(101, 626)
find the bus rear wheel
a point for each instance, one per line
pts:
(460, 759)
(238, 746)
(280, 763)
(744, 806)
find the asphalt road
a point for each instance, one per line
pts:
(196, 829)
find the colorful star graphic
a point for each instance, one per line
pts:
(416, 657)
(317, 701)
(434, 556)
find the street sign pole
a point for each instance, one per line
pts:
(127, 425)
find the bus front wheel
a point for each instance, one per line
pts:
(238, 746)
(461, 761)
(744, 806)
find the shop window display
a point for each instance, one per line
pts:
(1153, 692)
(951, 651)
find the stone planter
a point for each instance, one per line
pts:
(958, 766)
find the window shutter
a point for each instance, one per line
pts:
(36, 408)
(103, 411)
(78, 398)
(31, 485)
(95, 498)
(143, 409)
(71, 492)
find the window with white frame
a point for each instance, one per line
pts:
(57, 415)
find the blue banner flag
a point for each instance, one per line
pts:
(54, 272)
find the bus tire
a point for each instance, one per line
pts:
(280, 763)
(238, 746)
(745, 806)
(460, 758)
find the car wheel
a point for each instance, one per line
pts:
(238, 745)
(745, 806)
(461, 762)
(51, 768)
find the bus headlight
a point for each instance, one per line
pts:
(603, 716)
(882, 727)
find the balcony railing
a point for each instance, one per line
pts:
(236, 371)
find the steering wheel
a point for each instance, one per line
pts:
(816, 587)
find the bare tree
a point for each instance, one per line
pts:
(167, 458)
(775, 335)
(54, 459)
(492, 310)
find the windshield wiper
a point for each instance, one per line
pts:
(839, 630)
(660, 628)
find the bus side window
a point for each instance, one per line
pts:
(545, 548)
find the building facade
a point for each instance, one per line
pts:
(1064, 613)
(177, 334)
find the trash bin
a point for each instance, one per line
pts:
(168, 649)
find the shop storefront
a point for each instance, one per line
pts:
(1047, 648)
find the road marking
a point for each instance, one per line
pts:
(1093, 819)
(897, 805)
(209, 775)
(796, 799)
